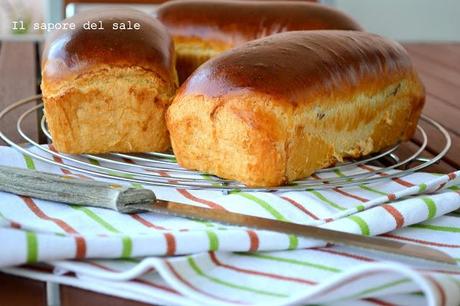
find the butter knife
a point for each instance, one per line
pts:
(66, 189)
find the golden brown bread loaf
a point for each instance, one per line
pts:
(202, 29)
(108, 90)
(276, 109)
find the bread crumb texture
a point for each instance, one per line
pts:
(109, 109)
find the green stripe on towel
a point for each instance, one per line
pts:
(32, 247)
(127, 243)
(213, 241)
(422, 187)
(263, 204)
(326, 200)
(439, 228)
(431, 205)
(29, 162)
(363, 226)
(228, 284)
(367, 188)
(292, 261)
(293, 240)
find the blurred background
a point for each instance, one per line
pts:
(404, 20)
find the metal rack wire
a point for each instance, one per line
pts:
(161, 169)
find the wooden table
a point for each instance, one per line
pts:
(438, 65)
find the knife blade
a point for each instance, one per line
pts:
(67, 189)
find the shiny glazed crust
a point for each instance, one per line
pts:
(279, 108)
(202, 29)
(107, 90)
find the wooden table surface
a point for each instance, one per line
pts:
(437, 63)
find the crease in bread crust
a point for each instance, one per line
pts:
(253, 138)
(109, 109)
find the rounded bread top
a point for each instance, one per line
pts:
(298, 65)
(70, 52)
(235, 22)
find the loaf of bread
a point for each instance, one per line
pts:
(276, 109)
(202, 29)
(107, 89)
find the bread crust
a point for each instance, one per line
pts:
(202, 29)
(108, 90)
(69, 53)
(279, 108)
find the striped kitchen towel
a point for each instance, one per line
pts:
(327, 275)
(34, 230)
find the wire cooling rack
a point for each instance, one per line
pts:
(161, 169)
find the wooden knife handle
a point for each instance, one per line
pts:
(66, 189)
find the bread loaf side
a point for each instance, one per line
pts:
(276, 109)
(107, 90)
(203, 29)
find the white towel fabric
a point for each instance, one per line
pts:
(280, 270)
